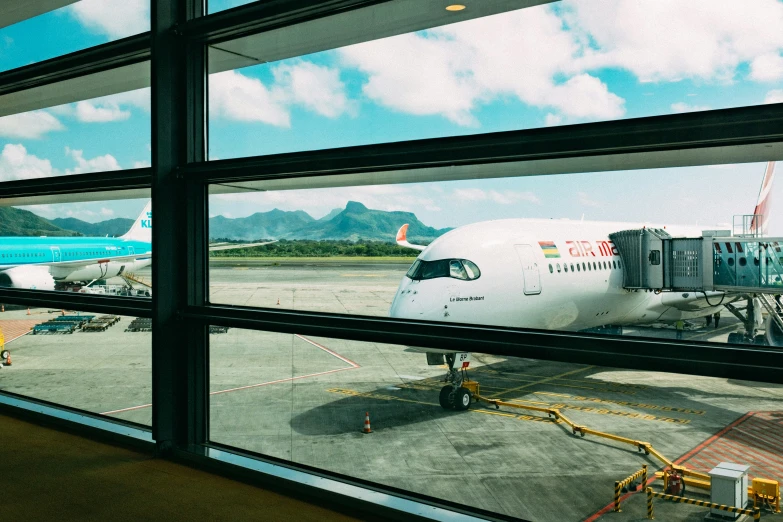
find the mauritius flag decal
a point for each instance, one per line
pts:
(549, 248)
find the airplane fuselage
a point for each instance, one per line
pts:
(75, 258)
(544, 274)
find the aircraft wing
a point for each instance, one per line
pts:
(402, 239)
(233, 246)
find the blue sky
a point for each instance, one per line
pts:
(569, 62)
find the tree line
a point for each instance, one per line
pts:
(312, 248)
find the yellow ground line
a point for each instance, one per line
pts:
(553, 378)
(585, 381)
(628, 404)
(485, 369)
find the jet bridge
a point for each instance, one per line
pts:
(741, 263)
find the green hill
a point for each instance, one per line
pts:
(261, 225)
(112, 227)
(357, 222)
(18, 222)
(353, 223)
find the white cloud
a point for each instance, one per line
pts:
(684, 107)
(29, 125)
(506, 197)
(113, 18)
(767, 67)
(662, 40)
(144, 164)
(90, 112)
(315, 87)
(774, 96)
(97, 164)
(16, 163)
(552, 120)
(452, 70)
(319, 89)
(237, 97)
(586, 201)
(106, 212)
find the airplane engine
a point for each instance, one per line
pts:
(774, 334)
(27, 277)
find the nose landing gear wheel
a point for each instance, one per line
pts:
(446, 398)
(462, 399)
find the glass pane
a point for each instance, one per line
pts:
(214, 6)
(410, 70)
(100, 134)
(94, 362)
(68, 29)
(311, 400)
(95, 248)
(529, 252)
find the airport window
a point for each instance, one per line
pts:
(491, 79)
(57, 227)
(343, 202)
(32, 34)
(63, 356)
(80, 135)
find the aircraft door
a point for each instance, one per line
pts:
(131, 251)
(56, 256)
(529, 269)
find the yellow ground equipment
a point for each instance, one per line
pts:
(767, 492)
(755, 512)
(689, 477)
(619, 485)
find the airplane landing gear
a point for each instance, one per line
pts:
(454, 396)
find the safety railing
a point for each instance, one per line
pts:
(755, 512)
(619, 485)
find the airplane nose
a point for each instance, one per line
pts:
(407, 303)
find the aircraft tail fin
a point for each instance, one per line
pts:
(760, 222)
(402, 239)
(142, 227)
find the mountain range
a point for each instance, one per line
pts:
(355, 222)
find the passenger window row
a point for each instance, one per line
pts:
(585, 267)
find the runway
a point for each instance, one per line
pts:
(304, 399)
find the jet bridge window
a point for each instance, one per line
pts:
(454, 268)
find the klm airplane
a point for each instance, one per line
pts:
(43, 263)
(46, 263)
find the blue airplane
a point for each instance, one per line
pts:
(49, 263)
(45, 263)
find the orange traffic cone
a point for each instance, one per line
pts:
(8, 361)
(28, 310)
(366, 422)
(2, 308)
(278, 300)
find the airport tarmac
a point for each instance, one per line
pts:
(304, 399)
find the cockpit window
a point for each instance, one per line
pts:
(454, 268)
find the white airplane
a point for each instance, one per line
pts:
(543, 274)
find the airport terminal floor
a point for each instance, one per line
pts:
(53, 475)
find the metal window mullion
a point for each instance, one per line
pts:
(178, 349)
(709, 359)
(77, 184)
(127, 51)
(622, 144)
(128, 306)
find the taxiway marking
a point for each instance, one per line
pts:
(352, 366)
(624, 403)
